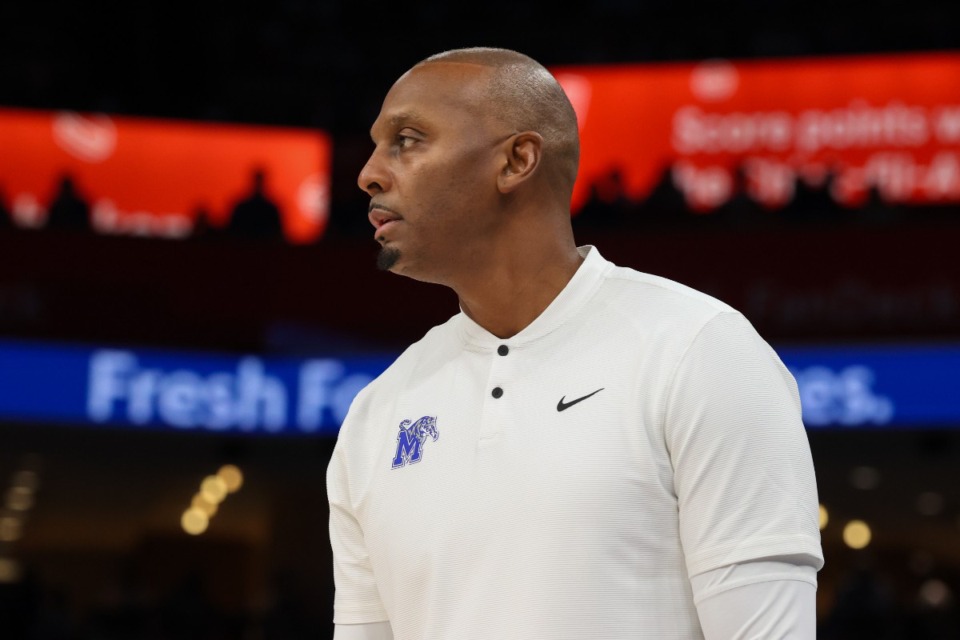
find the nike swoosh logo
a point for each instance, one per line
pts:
(566, 405)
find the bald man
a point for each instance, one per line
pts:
(584, 451)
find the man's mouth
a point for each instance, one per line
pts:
(380, 216)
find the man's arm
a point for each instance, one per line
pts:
(745, 485)
(356, 597)
(763, 600)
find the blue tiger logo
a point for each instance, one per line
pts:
(411, 438)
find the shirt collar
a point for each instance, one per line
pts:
(568, 302)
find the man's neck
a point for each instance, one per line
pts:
(506, 297)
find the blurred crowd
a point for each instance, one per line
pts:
(255, 216)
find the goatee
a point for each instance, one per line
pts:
(387, 257)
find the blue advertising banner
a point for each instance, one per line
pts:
(905, 386)
(846, 387)
(179, 390)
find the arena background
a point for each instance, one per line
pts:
(155, 333)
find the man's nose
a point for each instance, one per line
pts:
(373, 177)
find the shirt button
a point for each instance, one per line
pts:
(497, 392)
(503, 349)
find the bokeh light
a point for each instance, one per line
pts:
(857, 534)
(194, 521)
(19, 499)
(11, 528)
(232, 476)
(9, 570)
(200, 502)
(213, 489)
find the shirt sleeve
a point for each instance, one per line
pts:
(368, 631)
(764, 600)
(743, 472)
(356, 597)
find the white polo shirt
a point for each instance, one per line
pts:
(569, 481)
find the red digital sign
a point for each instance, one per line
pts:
(165, 178)
(887, 123)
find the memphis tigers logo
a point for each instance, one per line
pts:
(411, 438)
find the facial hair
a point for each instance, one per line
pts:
(387, 257)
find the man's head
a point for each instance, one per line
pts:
(468, 143)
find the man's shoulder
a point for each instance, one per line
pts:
(427, 353)
(435, 345)
(652, 297)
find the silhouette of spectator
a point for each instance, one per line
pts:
(68, 211)
(813, 202)
(876, 210)
(608, 205)
(256, 216)
(666, 204)
(741, 210)
(202, 229)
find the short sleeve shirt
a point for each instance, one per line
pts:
(568, 481)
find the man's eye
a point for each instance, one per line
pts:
(405, 141)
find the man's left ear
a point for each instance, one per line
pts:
(522, 153)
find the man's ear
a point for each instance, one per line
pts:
(522, 155)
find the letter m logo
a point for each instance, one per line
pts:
(411, 438)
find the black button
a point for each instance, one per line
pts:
(497, 392)
(503, 349)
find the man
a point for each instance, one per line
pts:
(585, 451)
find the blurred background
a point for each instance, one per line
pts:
(188, 298)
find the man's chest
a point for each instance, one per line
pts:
(487, 452)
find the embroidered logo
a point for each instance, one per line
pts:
(411, 438)
(562, 406)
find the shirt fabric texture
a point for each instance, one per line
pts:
(573, 480)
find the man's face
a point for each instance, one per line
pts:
(432, 176)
